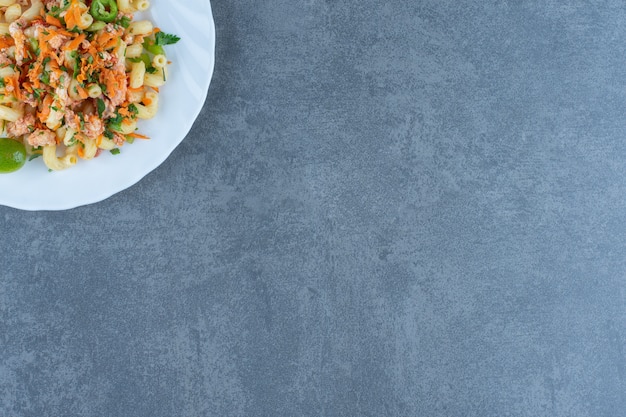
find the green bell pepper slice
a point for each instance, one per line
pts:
(96, 26)
(151, 46)
(104, 10)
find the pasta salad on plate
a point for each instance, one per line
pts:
(75, 77)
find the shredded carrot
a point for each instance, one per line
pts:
(55, 57)
(45, 110)
(82, 92)
(72, 16)
(66, 33)
(34, 74)
(147, 101)
(54, 65)
(74, 44)
(15, 84)
(111, 44)
(138, 136)
(112, 79)
(104, 37)
(53, 21)
(84, 69)
(93, 51)
(6, 42)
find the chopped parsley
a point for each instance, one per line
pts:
(76, 68)
(82, 121)
(115, 123)
(108, 134)
(133, 109)
(45, 77)
(101, 107)
(162, 38)
(124, 22)
(34, 45)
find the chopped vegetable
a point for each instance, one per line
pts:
(104, 10)
(162, 38)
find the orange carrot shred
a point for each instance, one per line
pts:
(74, 44)
(53, 21)
(138, 136)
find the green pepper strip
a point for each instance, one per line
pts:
(104, 10)
(96, 26)
(150, 46)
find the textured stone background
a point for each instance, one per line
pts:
(386, 208)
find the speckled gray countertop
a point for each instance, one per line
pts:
(386, 208)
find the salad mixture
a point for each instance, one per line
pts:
(75, 76)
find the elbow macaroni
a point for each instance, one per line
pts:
(33, 11)
(137, 73)
(56, 163)
(148, 109)
(9, 114)
(12, 13)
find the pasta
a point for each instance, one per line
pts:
(77, 75)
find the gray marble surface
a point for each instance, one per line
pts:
(386, 208)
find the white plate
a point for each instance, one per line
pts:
(180, 102)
